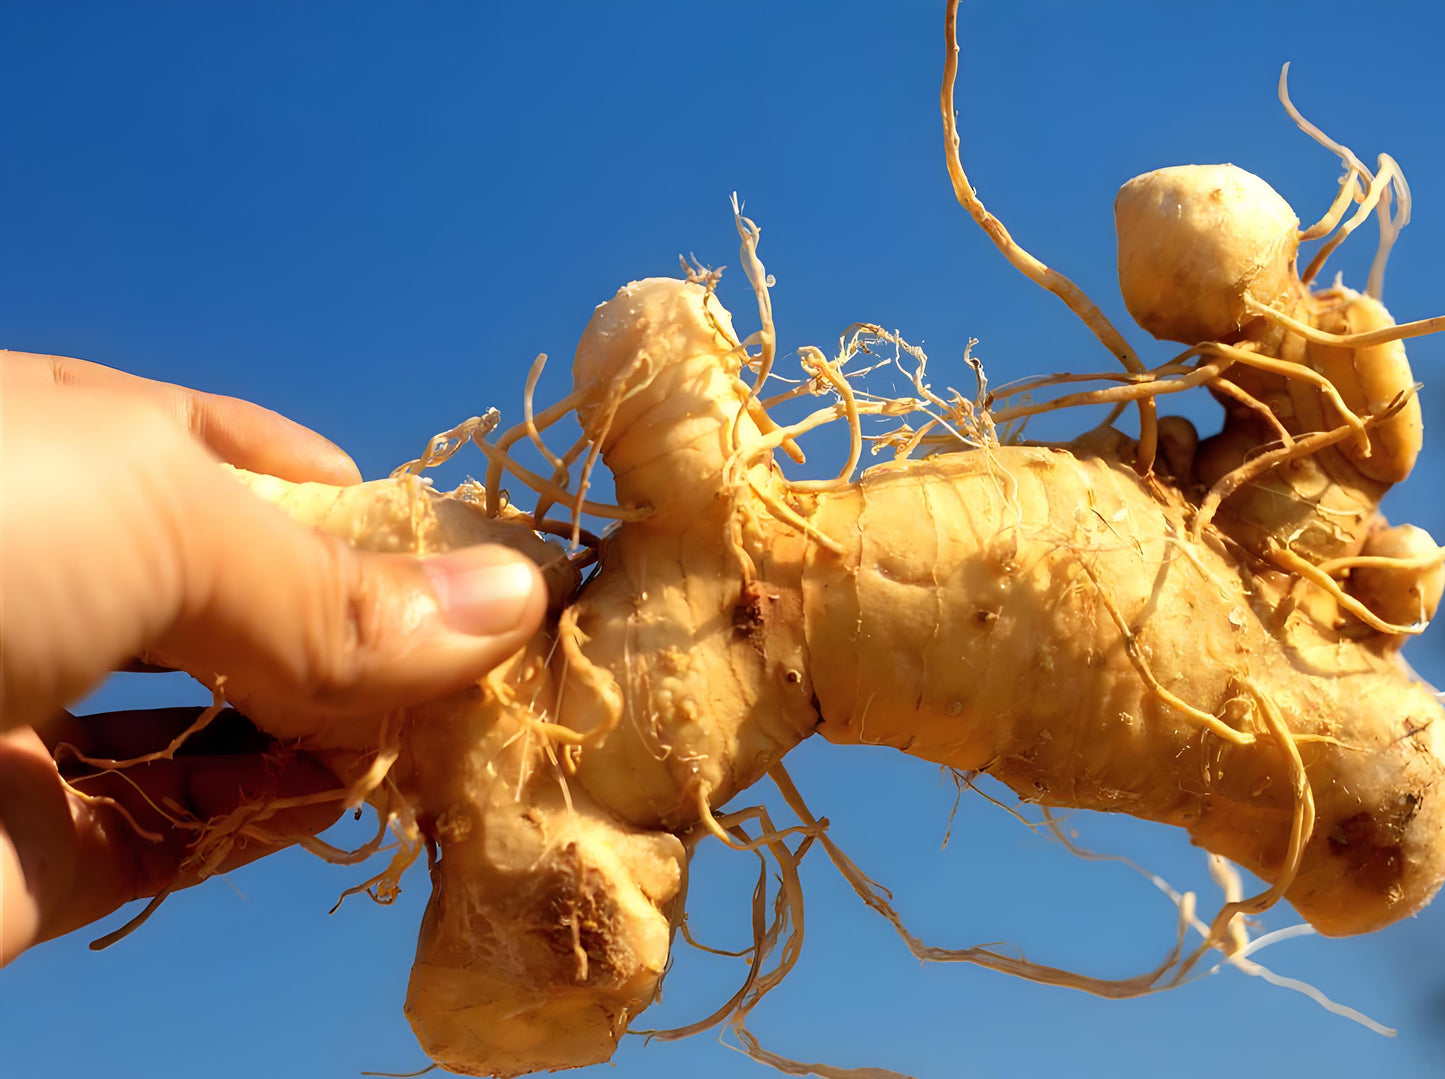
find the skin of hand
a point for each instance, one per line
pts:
(119, 535)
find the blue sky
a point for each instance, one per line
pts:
(372, 216)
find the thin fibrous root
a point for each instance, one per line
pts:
(405, 1075)
(1174, 376)
(968, 424)
(788, 516)
(1266, 414)
(1338, 567)
(387, 750)
(1041, 275)
(336, 856)
(386, 885)
(1398, 332)
(761, 281)
(1233, 941)
(787, 908)
(1377, 194)
(1140, 985)
(529, 420)
(501, 461)
(686, 931)
(202, 720)
(587, 539)
(1390, 225)
(764, 936)
(600, 683)
(107, 802)
(767, 338)
(1205, 720)
(215, 840)
(1150, 982)
(441, 447)
(1227, 877)
(1304, 446)
(788, 1066)
(819, 367)
(561, 466)
(514, 434)
(1348, 192)
(1026, 386)
(1285, 369)
(697, 274)
(1134, 391)
(718, 828)
(1287, 560)
(101, 943)
(1302, 823)
(1239, 928)
(180, 818)
(618, 392)
(561, 477)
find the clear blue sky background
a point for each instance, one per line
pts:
(371, 216)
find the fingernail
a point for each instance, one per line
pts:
(342, 467)
(481, 591)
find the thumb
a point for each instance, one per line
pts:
(313, 636)
(120, 535)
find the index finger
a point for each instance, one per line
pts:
(239, 432)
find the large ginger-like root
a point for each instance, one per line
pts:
(1212, 644)
(1042, 614)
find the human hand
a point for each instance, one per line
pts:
(121, 536)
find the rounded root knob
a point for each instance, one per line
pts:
(1193, 241)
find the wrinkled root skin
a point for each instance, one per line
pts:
(501, 984)
(989, 645)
